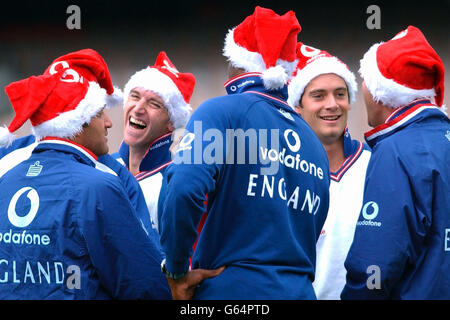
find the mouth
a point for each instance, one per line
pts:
(330, 118)
(137, 124)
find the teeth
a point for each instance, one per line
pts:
(137, 122)
(330, 118)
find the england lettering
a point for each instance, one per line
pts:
(271, 186)
(46, 272)
(447, 239)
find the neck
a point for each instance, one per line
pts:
(135, 158)
(335, 153)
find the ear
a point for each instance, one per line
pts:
(298, 108)
(170, 126)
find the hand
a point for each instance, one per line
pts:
(184, 288)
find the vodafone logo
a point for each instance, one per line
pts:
(308, 51)
(170, 68)
(373, 210)
(294, 142)
(400, 34)
(23, 221)
(69, 75)
(369, 212)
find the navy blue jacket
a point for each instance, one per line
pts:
(71, 231)
(151, 175)
(401, 248)
(266, 175)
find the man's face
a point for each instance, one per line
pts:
(324, 106)
(145, 118)
(93, 136)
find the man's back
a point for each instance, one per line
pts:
(267, 203)
(409, 209)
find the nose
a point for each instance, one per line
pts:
(140, 105)
(331, 102)
(107, 121)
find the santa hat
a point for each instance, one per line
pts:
(313, 62)
(174, 88)
(73, 89)
(265, 42)
(403, 69)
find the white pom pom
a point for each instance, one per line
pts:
(6, 137)
(115, 99)
(443, 108)
(274, 77)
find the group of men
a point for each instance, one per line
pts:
(265, 196)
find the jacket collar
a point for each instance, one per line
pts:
(352, 151)
(251, 81)
(82, 154)
(156, 158)
(401, 118)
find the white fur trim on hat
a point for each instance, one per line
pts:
(323, 65)
(115, 99)
(384, 90)
(69, 124)
(273, 77)
(6, 137)
(151, 79)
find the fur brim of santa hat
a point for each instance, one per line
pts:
(273, 78)
(322, 65)
(384, 90)
(69, 124)
(157, 82)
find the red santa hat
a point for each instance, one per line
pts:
(72, 90)
(314, 62)
(403, 69)
(174, 88)
(265, 42)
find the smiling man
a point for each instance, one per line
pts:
(157, 103)
(322, 91)
(68, 229)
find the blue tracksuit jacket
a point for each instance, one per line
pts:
(70, 231)
(152, 171)
(266, 175)
(401, 248)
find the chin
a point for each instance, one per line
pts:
(102, 152)
(131, 141)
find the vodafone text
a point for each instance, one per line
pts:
(253, 146)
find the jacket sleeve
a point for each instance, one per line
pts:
(134, 192)
(190, 177)
(388, 232)
(125, 258)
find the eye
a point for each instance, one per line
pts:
(341, 94)
(155, 105)
(134, 96)
(99, 114)
(317, 96)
